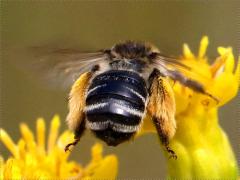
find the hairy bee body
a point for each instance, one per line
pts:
(115, 105)
(118, 86)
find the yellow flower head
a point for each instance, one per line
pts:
(219, 78)
(201, 144)
(33, 160)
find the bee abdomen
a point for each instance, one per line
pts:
(115, 103)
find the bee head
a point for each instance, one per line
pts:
(133, 50)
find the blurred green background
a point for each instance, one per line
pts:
(93, 25)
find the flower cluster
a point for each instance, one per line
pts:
(202, 147)
(31, 159)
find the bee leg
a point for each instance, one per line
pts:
(161, 107)
(192, 84)
(77, 135)
(164, 138)
(171, 152)
(77, 99)
(74, 143)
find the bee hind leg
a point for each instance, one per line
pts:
(164, 138)
(161, 107)
(74, 143)
(170, 151)
(77, 135)
(76, 115)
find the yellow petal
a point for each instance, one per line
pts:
(8, 142)
(223, 51)
(187, 52)
(28, 137)
(218, 66)
(227, 53)
(229, 64)
(97, 150)
(53, 133)
(203, 47)
(107, 169)
(41, 135)
(22, 149)
(96, 158)
(225, 87)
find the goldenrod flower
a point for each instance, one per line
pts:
(202, 147)
(31, 159)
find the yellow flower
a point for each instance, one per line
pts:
(201, 144)
(219, 79)
(202, 147)
(31, 159)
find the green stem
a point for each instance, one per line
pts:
(202, 147)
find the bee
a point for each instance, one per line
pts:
(114, 89)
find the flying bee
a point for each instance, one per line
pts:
(115, 88)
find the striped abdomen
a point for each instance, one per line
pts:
(115, 105)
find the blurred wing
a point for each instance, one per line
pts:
(166, 63)
(171, 61)
(63, 67)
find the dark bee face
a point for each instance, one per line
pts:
(131, 55)
(133, 50)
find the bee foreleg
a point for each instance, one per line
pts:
(192, 84)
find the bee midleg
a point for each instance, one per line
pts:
(192, 84)
(161, 107)
(77, 99)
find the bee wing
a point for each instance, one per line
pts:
(182, 73)
(63, 67)
(170, 64)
